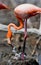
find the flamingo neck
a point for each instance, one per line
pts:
(16, 27)
(9, 33)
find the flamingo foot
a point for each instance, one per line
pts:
(22, 56)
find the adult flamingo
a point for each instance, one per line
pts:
(22, 13)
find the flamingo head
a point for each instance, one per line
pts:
(9, 36)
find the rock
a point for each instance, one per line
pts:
(9, 62)
(14, 50)
(39, 59)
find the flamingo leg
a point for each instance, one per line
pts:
(25, 34)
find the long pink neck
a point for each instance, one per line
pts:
(16, 27)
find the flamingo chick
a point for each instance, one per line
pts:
(22, 13)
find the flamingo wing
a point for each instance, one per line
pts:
(3, 6)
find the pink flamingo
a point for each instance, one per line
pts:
(22, 13)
